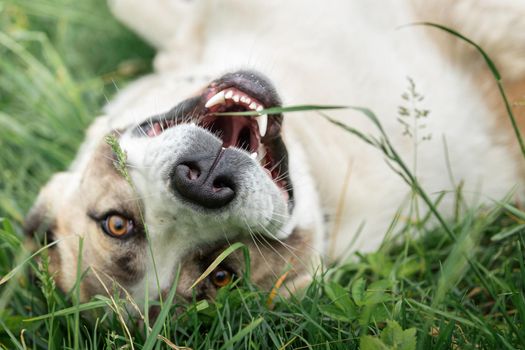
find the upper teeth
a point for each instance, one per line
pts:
(222, 96)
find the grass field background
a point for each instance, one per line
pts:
(59, 62)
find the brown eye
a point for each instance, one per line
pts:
(221, 277)
(117, 225)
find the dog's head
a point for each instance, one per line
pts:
(174, 192)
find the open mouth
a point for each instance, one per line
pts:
(259, 135)
(237, 131)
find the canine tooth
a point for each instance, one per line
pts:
(243, 99)
(259, 108)
(228, 94)
(236, 98)
(262, 121)
(216, 99)
(253, 155)
(253, 105)
(248, 100)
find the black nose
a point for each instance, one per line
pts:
(206, 179)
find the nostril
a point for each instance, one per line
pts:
(222, 183)
(193, 172)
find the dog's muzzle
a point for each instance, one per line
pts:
(209, 172)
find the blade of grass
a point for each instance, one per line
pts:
(495, 73)
(242, 333)
(508, 233)
(77, 293)
(385, 146)
(96, 304)
(11, 336)
(159, 323)
(288, 109)
(217, 261)
(13, 272)
(449, 315)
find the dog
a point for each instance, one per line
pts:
(182, 182)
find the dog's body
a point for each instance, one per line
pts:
(344, 193)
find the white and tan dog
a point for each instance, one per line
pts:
(200, 181)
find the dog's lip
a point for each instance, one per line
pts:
(252, 83)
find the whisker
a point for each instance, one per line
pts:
(276, 239)
(277, 164)
(285, 246)
(254, 239)
(116, 131)
(139, 126)
(308, 245)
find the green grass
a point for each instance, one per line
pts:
(460, 285)
(59, 61)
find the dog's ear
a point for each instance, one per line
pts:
(42, 216)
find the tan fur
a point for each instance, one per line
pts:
(469, 60)
(110, 257)
(266, 264)
(515, 91)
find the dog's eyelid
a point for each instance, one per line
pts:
(101, 215)
(227, 267)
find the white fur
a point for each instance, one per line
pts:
(338, 52)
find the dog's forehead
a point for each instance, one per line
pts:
(103, 187)
(97, 189)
